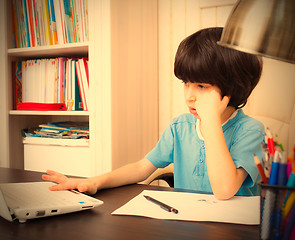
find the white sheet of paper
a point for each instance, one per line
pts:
(194, 207)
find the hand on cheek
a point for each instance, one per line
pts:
(209, 104)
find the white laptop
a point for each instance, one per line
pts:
(30, 200)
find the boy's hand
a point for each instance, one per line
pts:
(210, 105)
(65, 183)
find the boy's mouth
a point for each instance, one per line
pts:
(193, 111)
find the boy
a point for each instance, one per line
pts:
(212, 147)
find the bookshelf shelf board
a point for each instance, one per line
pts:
(55, 113)
(50, 50)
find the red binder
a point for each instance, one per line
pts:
(32, 106)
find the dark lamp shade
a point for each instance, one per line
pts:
(262, 27)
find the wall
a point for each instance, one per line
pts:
(273, 100)
(134, 73)
(178, 19)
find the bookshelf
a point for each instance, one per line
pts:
(51, 50)
(123, 83)
(60, 113)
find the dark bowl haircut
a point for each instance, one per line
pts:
(199, 59)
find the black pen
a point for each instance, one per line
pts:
(162, 205)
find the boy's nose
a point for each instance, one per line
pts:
(190, 96)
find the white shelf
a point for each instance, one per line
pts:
(55, 113)
(110, 77)
(51, 50)
(14, 121)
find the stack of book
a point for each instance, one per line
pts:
(57, 80)
(59, 130)
(48, 22)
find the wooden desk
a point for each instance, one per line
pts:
(99, 224)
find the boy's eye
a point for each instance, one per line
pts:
(185, 83)
(202, 86)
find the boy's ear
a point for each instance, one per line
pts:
(228, 99)
(223, 95)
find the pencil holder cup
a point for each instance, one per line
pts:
(277, 212)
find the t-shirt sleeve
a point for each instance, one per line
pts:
(162, 155)
(242, 151)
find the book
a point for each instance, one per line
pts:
(52, 22)
(79, 24)
(55, 80)
(14, 25)
(84, 79)
(75, 21)
(80, 127)
(47, 22)
(26, 24)
(40, 22)
(59, 21)
(41, 80)
(24, 83)
(81, 86)
(35, 23)
(30, 23)
(16, 82)
(48, 74)
(68, 21)
(85, 9)
(77, 106)
(68, 90)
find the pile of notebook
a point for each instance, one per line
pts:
(61, 130)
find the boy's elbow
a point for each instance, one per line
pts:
(222, 197)
(224, 193)
(224, 190)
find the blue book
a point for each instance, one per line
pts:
(77, 101)
(75, 89)
(68, 21)
(27, 36)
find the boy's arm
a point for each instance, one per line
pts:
(128, 174)
(225, 178)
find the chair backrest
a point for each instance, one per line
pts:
(273, 101)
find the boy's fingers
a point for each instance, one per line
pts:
(45, 177)
(82, 188)
(58, 187)
(54, 176)
(53, 173)
(64, 186)
(85, 188)
(65, 183)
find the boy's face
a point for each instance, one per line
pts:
(203, 99)
(191, 92)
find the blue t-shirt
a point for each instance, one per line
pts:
(181, 145)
